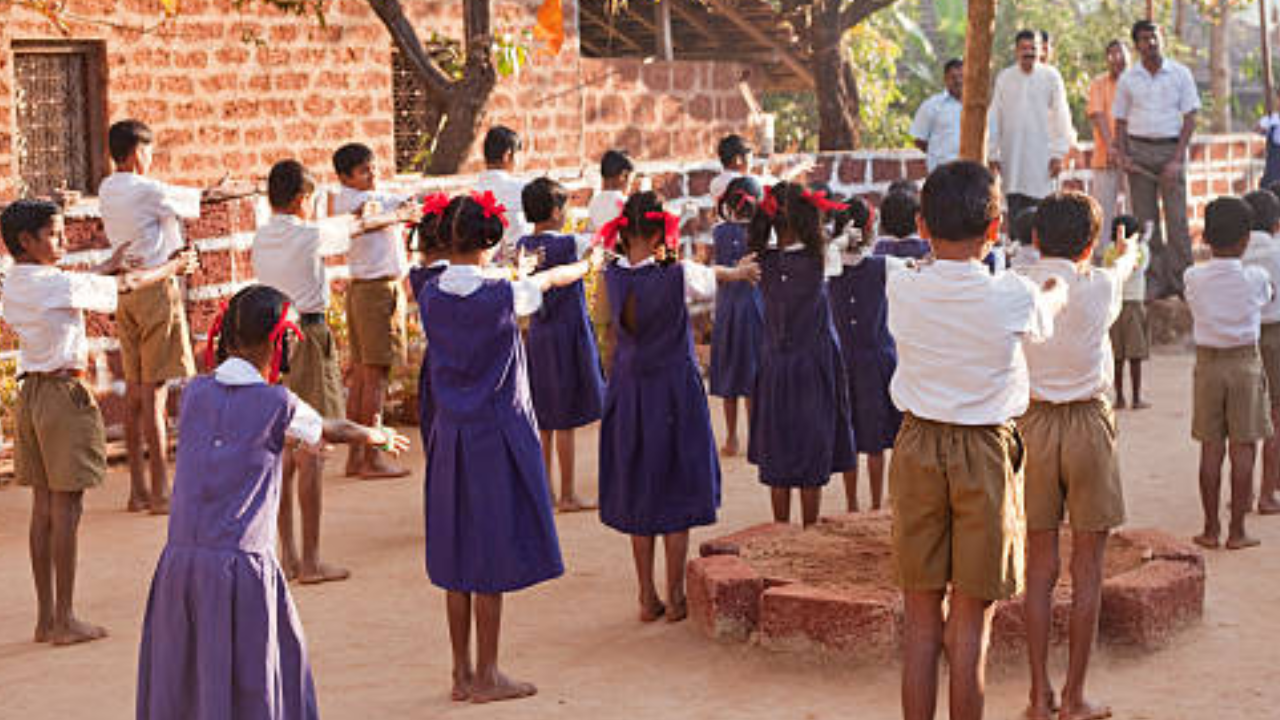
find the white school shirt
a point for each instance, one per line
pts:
(1269, 125)
(1226, 298)
(1264, 252)
(288, 254)
(377, 254)
(937, 122)
(463, 280)
(45, 306)
(1135, 288)
(1029, 123)
(507, 188)
(960, 332)
(605, 207)
(699, 279)
(306, 426)
(1154, 104)
(144, 214)
(1077, 363)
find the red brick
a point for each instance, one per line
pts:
(865, 624)
(684, 76)
(731, 544)
(886, 170)
(917, 169)
(656, 77)
(851, 170)
(724, 597)
(700, 108)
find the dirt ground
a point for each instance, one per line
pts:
(379, 646)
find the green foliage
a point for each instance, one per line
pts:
(795, 120)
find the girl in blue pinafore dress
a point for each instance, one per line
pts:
(801, 429)
(659, 473)
(434, 235)
(859, 309)
(739, 319)
(221, 637)
(564, 360)
(489, 527)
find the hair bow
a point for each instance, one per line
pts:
(607, 235)
(434, 204)
(492, 208)
(283, 327)
(818, 199)
(211, 343)
(769, 204)
(745, 199)
(670, 227)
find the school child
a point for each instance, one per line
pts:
(144, 216)
(1230, 412)
(564, 364)
(735, 161)
(60, 443)
(954, 480)
(376, 303)
(1022, 250)
(1069, 431)
(659, 474)
(857, 297)
(488, 510)
(1264, 252)
(501, 156)
(616, 170)
(1130, 341)
(801, 429)
(739, 313)
(898, 214)
(221, 637)
(434, 237)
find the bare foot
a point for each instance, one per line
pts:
(730, 448)
(1268, 506)
(289, 566)
(1141, 404)
(159, 506)
(573, 504)
(379, 469)
(500, 688)
(462, 683)
(138, 503)
(1206, 541)
(678, 610)
(76, 632)
(1084, 711)
(1242, 542)
(1119, 404)
(322, 573)
(1036, 713)
(44, 631)
(651, 610)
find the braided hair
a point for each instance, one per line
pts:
(740, 199)
(788, 215)
(250, 318)
(641, 227)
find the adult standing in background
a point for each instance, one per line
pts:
(936, 127)
(1155, 114)
(1029, 125)
(1107, 177)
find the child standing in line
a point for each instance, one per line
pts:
(801, 427)
(659, 474)
(1264, 252)
(954, 478)
(739, 318)
(564, 363)
(502, 148)
(488, 512)
(616, 170)
(60, 443)
(899, 212)
(221, 636)
(434, 235)
(1130, 338)
(1230, 410)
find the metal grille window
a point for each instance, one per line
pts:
(60, 115)
(409, 101)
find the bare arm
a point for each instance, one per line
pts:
(183, 263)
(345, 432)
(746, 270)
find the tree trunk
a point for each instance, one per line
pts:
(1220, 67)
(977, 80)
(835, 86)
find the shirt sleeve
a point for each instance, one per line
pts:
(582, 244)
(306, 426)
(527, 296)
(1263, 289)
(1188, 95)
(334, 235)
(895, 265)
(85, 291)
(1096, 93)
(922, 123)
(993, 120)
(1061, 131)
(1030, 310)
(179, 202)
(1120, 105)
(699, 282)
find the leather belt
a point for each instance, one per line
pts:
(63, 374)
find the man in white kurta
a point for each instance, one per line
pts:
(1029, 125)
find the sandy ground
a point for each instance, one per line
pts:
(380, 650)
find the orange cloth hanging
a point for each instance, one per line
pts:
(550, 25)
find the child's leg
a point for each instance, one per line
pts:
(1267, 502)
(1087, 550)
(780, 499)
(311, 504)
(41, 540)
(376, 379)
(569, 500)
(357, 453)
(851, 489)
(1211, 454)
(875, 472)
(1119, 383)
(66, 510)
(139, 497)
(1042, 576)
(921, 643)
(491, 685)
(810, 505)
(155, 432)
(968, 625)
(459, 608)
(642, 551)
(677, 549)
(547, 438)
(1135, 374)
(1242, 461)
(730, 447)
(284, 519)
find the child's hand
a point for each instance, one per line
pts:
(409, 212)
(387, 440)
(370, 208)
(526, 263)
(748, 269)
(1050, 285)
(188, 261)
(597, 257)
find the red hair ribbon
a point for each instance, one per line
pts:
(211, 343)
(434, 204)
(818, 199)
(607, 235)
(744, 199)
(492, 208)
(770, 204)
(670, 227)
(282, 328)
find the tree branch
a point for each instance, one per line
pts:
(391, 13)
(860, 10)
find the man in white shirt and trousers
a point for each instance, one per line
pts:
(936, 127)
(1029, 125)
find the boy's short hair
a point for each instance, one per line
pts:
(540, 199)
(960, 200)
(903, 185)
(899, 212)
(1226, 222)
(25, 216)
(1126, 223)
(351, 156)
(287, 181)
(499, 141)
(125, 136)
(1022, 226)
(732, 147)
(1266, 210)
(615, 163)
(1067, 223)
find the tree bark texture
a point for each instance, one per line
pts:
(977, 80)
(1220, 67)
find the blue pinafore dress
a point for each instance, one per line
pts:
(859, 309)
(739, 320)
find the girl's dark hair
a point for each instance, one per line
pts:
(857, 214)
(250, 318)
(740, 199)
(434, 233)
(640, 228)
(472, 230)
(793, 218)
(898, 213)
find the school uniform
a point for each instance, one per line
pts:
(488, 508)
(801, 427)
(145, 215)
(1130, 336)
(221, 637)
(604, 207)
(954, 480)
(288, 254)
(419, 277)
(564, 363)
(60, 442)
(739, 320)
(659, 471)
(1264, 252)
(376, 303)
(1069, 428)
(911, 247)
(1231, 400)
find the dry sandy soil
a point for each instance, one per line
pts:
(380, 650)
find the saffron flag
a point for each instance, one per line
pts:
(550, 25)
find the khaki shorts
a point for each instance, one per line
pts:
(1129, 338)
(61, 444)
(375, 322)
(1072, 465)
(155, 345)
(957, 508)
(1269, 345)
(1231, 401)
(313, 374)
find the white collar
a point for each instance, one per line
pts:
(625, 263)
(441, 263)
(238, 372)
(1227, 261)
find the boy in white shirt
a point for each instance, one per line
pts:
(1069, 432)
(1264, 252)
(615, 180)
(60, 448)
(954, 478)
(501, 148)
(1130, 340)
(1230, 412)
